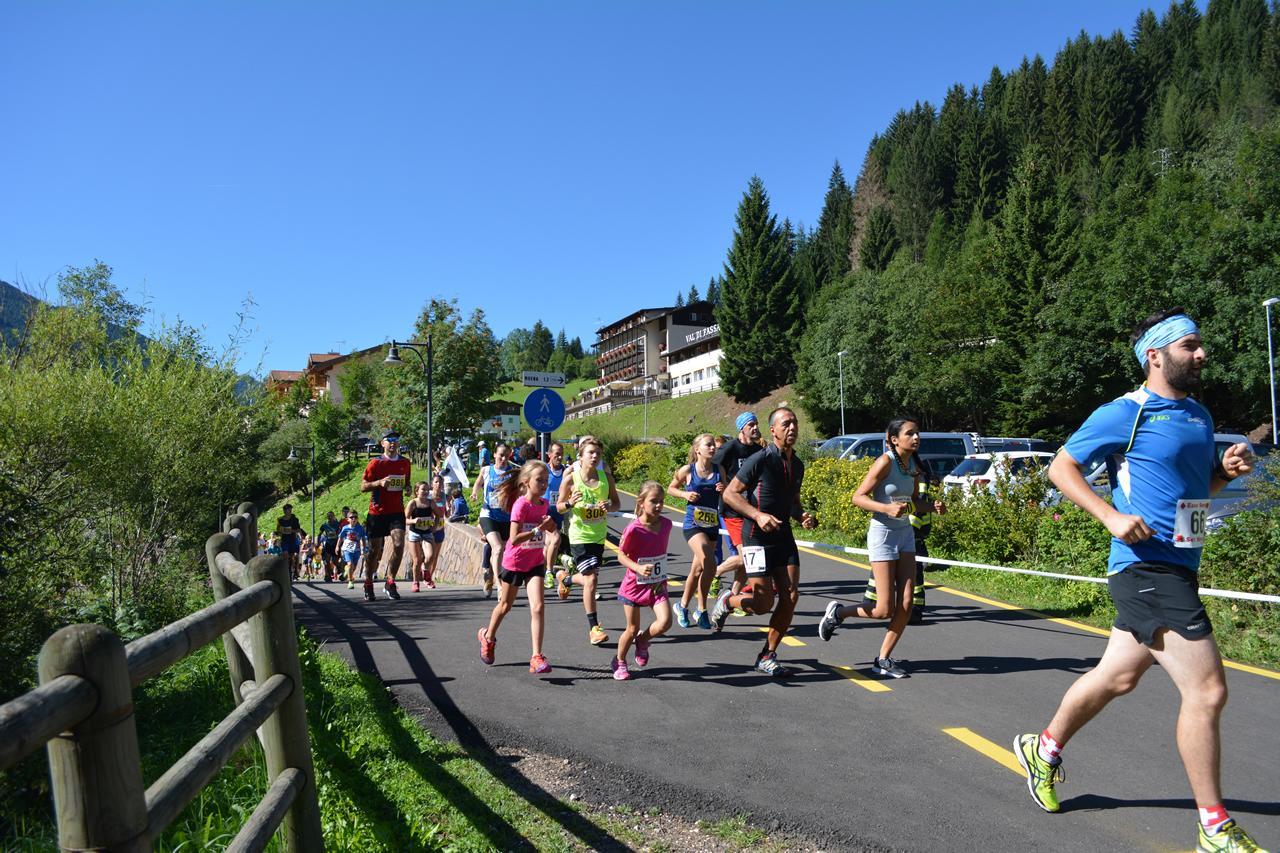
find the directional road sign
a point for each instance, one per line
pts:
(538, 379)
(544, 410)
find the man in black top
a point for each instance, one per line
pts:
(729, 459)
(766, 493)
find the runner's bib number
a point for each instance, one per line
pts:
(593, 513)
(705, 517)
(424, 522)
(1189, 524)
(753, 559)
(395, 483)
(534, 542)
(658, 574)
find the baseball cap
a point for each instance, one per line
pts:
(745, 418)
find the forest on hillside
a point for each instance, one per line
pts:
(987, 264)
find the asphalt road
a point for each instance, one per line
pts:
(835, 753)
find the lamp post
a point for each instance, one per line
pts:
(293, 457)
(1271, 364)
(840, 362)
(393, 357)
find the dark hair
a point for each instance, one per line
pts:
(775, 412)
(895, 426)
(1158, 317)
(288, 507)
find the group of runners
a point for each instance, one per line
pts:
(1158, 442)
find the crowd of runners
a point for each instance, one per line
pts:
(544, 523)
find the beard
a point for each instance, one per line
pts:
(1183, 376)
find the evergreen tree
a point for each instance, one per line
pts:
(575, 348)
(541, 346)
(562, 343)
(830, 260)
(760, 313)
(693, 295)
(679, 300)
(713, 291)
(879, 243)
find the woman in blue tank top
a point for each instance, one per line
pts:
(495, 520)
(698, 483)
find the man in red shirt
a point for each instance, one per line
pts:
(386, 478)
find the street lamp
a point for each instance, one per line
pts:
(840, 362)
(293, 457)
(1271, 364)
(393, 357)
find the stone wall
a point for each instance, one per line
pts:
(459, 562)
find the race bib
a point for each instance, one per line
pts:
(495, 500)
(1189, 524)
(657, 575)
(423, 522)
(395, 483)
(753, 559)
(534, 542)
(593, 513)
(706, 517)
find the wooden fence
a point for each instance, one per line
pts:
(82, 712)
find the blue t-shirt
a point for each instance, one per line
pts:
(1171, 458)
(460, 510)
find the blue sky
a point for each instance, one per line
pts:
(345, 162)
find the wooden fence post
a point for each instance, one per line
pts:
(96, 767)
(285, 739)
(237, 662)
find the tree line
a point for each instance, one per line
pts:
(987, 264)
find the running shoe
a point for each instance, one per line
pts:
(620, 671)
(889, 667)
(596, 635)
(564, 584)
(642, 653)
(702, 619)
(1230, 838)
(738, 612)
(429, 583)
(548, 581)
(390, 591)
(1042, 776)
(416, 587)
(488, 583)
(830, 621)
(538, 665)
(566, 561)
(715, 586)
(682, 614)
(720, 612)
(487, 646)
(351, 584)
(368, 592)
(768, 664)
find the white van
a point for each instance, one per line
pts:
(871, 444)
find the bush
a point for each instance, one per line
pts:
(638, 462)
(992, 526)
(827, 492)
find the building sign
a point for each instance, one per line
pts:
(708, 332)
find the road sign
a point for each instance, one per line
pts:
(544, 410)
(539, 379)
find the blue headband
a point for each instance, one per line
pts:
(1164, 333)
(744, 419)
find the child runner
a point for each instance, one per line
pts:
(495, 522)
(888, 492)
(555, 476)
(420, 516)
(591, 495)
(523, 562)
(643, 551)
(700, 484)
(353, 539)
(440, 500)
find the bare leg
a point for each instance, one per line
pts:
(1121, 667)
(788, 589)
(533, 591)
(1196, 668)
(756, 597)
(661, 620)
(506, 597)
(904, 580)
(392, 556)
(629, 633)
(883, 572)
(415, 551)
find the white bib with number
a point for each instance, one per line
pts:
(753, 559)
(395, 483)
(534, 542)
(1189, 524)
(658, 572)
(705, 516)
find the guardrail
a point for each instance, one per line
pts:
(82, 712)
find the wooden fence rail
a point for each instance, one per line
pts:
(82, 712)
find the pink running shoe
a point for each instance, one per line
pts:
(487, 646)
(430, 583)
(415, 587)
(620, 671)
(642, 653)
(538, 665)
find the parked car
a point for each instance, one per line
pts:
(989, 444)
(980, 470)
(871, 444)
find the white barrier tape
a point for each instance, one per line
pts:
(1216, 593)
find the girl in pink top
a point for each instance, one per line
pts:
(522, 560)
(643, 551)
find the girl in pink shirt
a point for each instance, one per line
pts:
(643, 552)
(522, 560)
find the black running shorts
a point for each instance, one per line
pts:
(522, 578)
(379, 526)
(1152, 596)
(777, 550)
(587, 556)
(502, 527)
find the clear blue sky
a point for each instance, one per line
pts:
(345, 162)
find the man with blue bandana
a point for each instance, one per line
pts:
(1158, 445)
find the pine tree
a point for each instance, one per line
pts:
(713, 291)
(879, 241)
(693, 295)
(541, 346)
(760, 313)
(834, 231)
(562, 343)
(679, 300)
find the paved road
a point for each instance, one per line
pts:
(921, 763)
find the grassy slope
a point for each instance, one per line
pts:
(515, 392)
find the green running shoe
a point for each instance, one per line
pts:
(1229, 839)
(715, 587)
(1041, 775)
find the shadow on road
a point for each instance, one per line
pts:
(500, 833)
(1094, 802)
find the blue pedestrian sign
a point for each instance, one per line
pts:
(544, 410)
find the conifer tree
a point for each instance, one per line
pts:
(713, 291)
(693, 295)
(835, 230)
(760, 312)
(679, 300)
(879, 241)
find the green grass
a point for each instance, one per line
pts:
(735, 830)
(339, 489)
(515, 392)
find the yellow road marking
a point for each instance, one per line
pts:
(787, 640)
(863, 681)
(996, 753)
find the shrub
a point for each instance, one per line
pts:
(643, 462)
(827, 492)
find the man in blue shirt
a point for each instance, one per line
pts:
(1158, 445)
